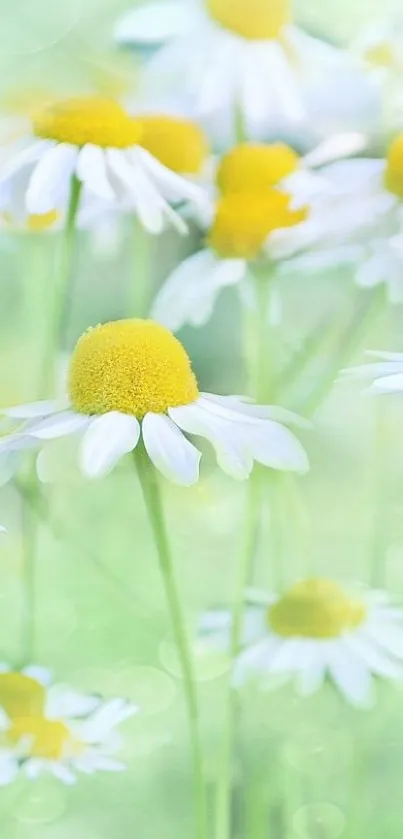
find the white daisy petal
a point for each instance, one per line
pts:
(58, 425)
(106, 440)
(256, 658)
(351, 676)
(24, 158)
(8, 769)
(168, 449)
(153, 22)
(376, 661)
(91, 170)
(388, 384)
(63, 773)
(189, 293)
(31, 410)
(275, 446)
(178, 187)
(65, 702)
(148, 202)
(40, 674)
(106, 718)
(232, 454)
(336, 147)
(51, 178)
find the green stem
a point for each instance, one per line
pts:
(61, 291)
(151, 492)
(379, 518)
(223, 823)
(368, 309)
(140, 293)
(56, 328)
(28, 587)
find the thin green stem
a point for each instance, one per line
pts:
(61, 292)
(379, 517)
(28, 605)
(223, 812)
(151, 492)
(140, 293)
(367, 311)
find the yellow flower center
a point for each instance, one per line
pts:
(178, 143)
(20, 695)
(132, 366)
(253, 19)
(49, 739)
(380, 55)
(315, 609)
(37, 222)
(244, 220)
(255, 166)
(102, 122)
(394, 167)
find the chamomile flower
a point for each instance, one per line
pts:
(133, 377)
(375, 185)
(54, 729)
(314, 630)
(97, 142)
(385, 375)
(380, 47)
(228, 56)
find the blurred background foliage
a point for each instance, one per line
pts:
(102, 623)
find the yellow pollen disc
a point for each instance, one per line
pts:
(394, 167)
(132, 366)
(244, 220)
(252, 19)
(179, 144)
(20, 695)
(380, 55)
(36, 222)
(102, 122)
(315, 609)
(255, 166)
(49, 739)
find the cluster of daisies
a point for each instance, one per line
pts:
(231, 132)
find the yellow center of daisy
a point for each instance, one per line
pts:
(20, 695)
(315, 609)
(255, 166)
(394, 167)
(179, 144)
(49, 739)
(102, 122)
(380, 55)
(252, 19)
(132, 366)
(244, 220)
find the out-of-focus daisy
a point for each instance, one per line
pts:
(386, 374)
(55, 729)
(274, 207)
(133, 377)
(229, 56)
(377, 232)
(93, 142)
(380, 47)
(316, 630)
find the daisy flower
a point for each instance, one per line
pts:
(386, 374)
(380, 48)
(375, 185)
(49, 728)
(230, 56)
(133, 376)
(314, 630)
(274, 206)
(93, 142)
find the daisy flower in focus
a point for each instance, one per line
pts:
(93, 142)
(386, 373)
(51, 728)
(315, 630)
(230, 56)
(133, 377)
